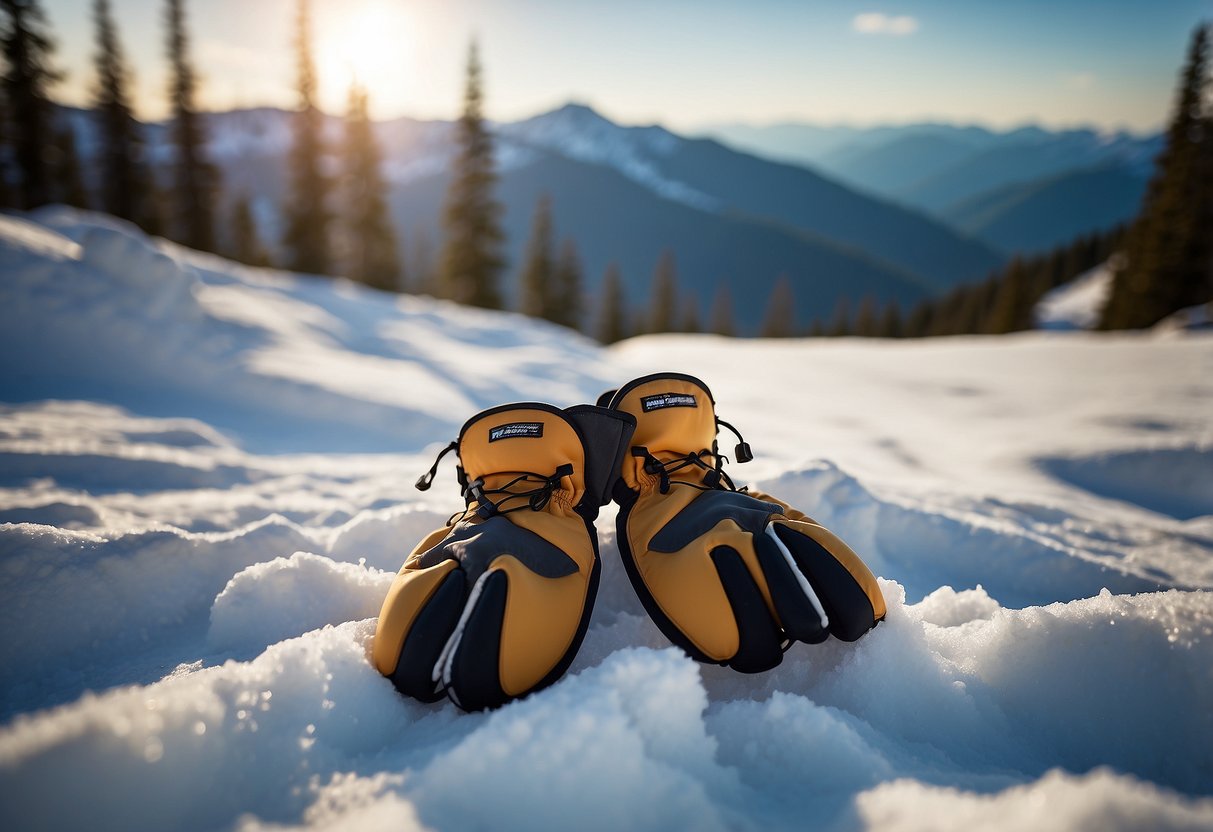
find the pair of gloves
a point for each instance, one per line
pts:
(495, 605)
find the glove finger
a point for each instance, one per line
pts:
(424, 637)
(758, 638)
(519, 633)
(795, 601)
(846, 603)
(468, 665)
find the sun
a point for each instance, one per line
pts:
(367, 43)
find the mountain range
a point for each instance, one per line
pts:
(732, 218)
(1020, 191)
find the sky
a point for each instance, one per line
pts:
(1111, 64)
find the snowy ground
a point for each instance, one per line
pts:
(1076, 305)
(206, 484)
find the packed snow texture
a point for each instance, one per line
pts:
(1077, 304)
(206, 486)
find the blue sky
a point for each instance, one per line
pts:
(1108, 63)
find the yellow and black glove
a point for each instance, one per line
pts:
(732, 577)
(495, 605)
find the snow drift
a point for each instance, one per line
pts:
(187, 618)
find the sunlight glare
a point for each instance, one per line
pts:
(369, 45)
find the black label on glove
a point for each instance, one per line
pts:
(516, 430)
(661, 400)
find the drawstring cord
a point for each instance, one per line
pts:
(742, 451)
(427, 479)
(536, 498)
(474, 491)
(714, 477)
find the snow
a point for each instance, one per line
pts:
(1077, 304)
(246, 346)
(1057, 803)
(576, 131)
(206, 486)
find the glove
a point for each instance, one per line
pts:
(731, 577)
(495, 605)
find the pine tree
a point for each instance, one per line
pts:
(307, 212)
(943, 316)
(68, 181)
(1168, 261)
(195, 179)
(246, 246)
(1005, 300)
(721, 317)
(840, 323)
(866, 323)
(535, 282)
(612, 308)
(973, 308)
(890, 321)
(1055, 267)
(1012, 303)
(690, 315)
(373, 257)
(780, 320)
(29, 73)
(817, 329)
(1041, 284)
(472, 259)
(8, 198)
(918, 324)
(664, 294)
(126, 182)
(567, 305)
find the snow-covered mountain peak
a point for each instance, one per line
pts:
(579, 132)
(572, 113)
(574, 125)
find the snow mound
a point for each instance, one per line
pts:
(946, 607)
(1077, 304)
(1019, 558)
(1058, 802)
(382, 538)
(76, 607)
(281, 361)
(285, 597)
(1197, 318)
(27, 242)
(309, 728)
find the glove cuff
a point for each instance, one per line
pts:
(584, 445)
(675, 416)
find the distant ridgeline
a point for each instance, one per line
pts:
(1000, 304)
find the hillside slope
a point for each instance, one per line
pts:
(1034, 158)
(711, 249)
(193, 559)
(1038, 215)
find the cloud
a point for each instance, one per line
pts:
(879, 23)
